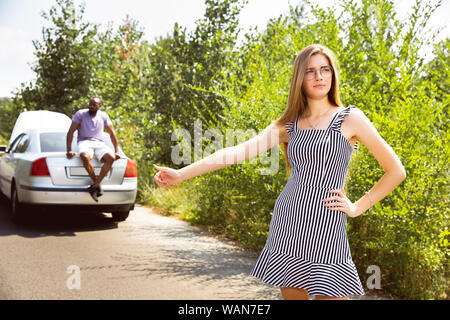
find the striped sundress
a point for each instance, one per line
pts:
(307, 245)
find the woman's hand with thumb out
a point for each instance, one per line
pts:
(166, 176)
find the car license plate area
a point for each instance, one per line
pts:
(81, 172)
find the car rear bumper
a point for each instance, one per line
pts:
(77, 196)
(83, 207)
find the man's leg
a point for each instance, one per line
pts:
(108, 160)
(90, 169)
(88, 165)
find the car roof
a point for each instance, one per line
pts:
(40, 119)
(44, 130)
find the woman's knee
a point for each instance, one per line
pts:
(290, 293)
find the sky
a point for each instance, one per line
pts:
(21, 23)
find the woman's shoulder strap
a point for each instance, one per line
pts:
(336, 126)
(289, 126)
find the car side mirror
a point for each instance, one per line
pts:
(3, 149)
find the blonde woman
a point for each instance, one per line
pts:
(307, 250)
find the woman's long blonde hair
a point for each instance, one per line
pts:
(297, 102)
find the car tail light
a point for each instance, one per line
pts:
(130, 171)
(39, 168)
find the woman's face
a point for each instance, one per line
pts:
(318, 77)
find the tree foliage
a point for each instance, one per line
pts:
(64, 66)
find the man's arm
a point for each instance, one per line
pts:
(114, 140)
(74, 126)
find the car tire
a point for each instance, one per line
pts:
(120, 215)
(17, 211)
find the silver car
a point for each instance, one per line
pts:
(34, 171)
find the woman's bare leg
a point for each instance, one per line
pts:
(289, 293)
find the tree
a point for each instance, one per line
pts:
(8, 115)
(64, 61)
(438, 70)
(186, 69)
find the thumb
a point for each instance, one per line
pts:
(158, 167)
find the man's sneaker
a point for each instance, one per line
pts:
(99, 191)
(93, 192)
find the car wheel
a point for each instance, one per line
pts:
(120, 215)
(17, 211)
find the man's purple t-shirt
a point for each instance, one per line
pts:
(91, 128)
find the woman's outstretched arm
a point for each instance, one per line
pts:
(271, 136)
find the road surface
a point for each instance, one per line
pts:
(68, 255)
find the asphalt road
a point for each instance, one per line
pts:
(70, 255)
(80, 255)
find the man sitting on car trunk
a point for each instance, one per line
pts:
(90, 124)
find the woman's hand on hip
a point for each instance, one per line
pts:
(341, 203)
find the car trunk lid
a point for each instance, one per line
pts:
(71, 172)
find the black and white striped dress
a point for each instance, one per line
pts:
(307, 245)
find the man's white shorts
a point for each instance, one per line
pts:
(97, 148)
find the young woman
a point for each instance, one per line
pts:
(307, 250)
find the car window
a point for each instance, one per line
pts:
(22, 145)
(56, 142)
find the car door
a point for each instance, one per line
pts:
(8, 165)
